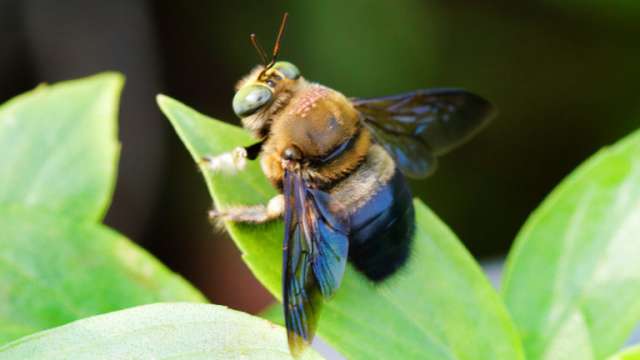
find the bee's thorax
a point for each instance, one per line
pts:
(324, 129)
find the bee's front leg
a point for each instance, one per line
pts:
(256, 214)
(228, 163)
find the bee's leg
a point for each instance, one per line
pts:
(228, 163)
(256, 214)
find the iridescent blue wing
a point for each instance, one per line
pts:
(314, 258)
(417, 127)
(329, 234)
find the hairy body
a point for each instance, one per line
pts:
(322, 130)
(339, 166)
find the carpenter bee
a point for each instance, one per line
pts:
(339, 164)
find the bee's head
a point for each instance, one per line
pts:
(258, 90)
(266, 89)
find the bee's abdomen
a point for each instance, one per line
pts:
(382, 230)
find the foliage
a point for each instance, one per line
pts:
(176, 331)
(572, 282)
(570, 288)
(57, 171)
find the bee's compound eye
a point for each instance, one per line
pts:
(250, 99)
(287, 69)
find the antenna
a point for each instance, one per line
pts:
(276, 46)
(259, 49)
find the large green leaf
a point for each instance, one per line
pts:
(59, 147)
(57, 169)
(439, 306)
(158, 331)
(55, 270)
(572, 280)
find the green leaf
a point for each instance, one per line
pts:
(59, 147)
(57, 170)
(55, 270)
(632, 353)
(273, 313)
(439, 306)
(572, 280)
(159, 331)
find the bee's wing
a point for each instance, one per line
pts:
(315, 254)
(418, 126)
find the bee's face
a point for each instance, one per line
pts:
(262, 87)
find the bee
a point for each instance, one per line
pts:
(339, 164)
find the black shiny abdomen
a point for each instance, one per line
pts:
(382, 230)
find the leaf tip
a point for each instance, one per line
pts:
(164, 101)
(112, 79)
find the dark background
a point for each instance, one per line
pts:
(564, 74)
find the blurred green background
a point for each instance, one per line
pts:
(564, 75)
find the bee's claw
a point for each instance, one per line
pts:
(215, 214)
(205, 162)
